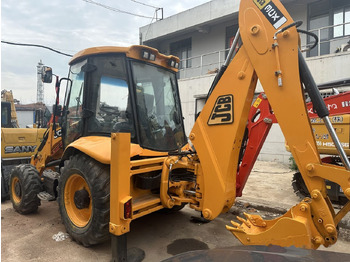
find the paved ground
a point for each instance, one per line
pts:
(30, 238)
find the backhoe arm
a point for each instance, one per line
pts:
(270, 52)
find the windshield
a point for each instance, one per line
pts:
(158, 108)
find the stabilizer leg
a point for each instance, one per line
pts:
(119, 248)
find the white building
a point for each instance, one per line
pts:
(201, 36)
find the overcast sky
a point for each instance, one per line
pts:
(68, 26)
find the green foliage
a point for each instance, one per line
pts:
(292, 164)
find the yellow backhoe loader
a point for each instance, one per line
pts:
(126, 154)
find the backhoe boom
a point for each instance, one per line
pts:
(269, 52)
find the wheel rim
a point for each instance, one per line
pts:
(16, 190)
(79, 216)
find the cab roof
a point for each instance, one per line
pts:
(134, 51)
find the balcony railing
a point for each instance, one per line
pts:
(332, 39)
(210, 63)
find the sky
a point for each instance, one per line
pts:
(67, 26)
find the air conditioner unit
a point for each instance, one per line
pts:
(345, 47)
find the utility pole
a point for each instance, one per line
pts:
(40, 85)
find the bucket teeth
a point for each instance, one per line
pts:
(256, 220)
(235, 224)
(244, 221)
(236, 227)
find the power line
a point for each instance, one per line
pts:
(34, 45)
(145, 4)
(155, 12)
(115, 9)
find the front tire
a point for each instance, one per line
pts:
(24, 187)
(83, 198)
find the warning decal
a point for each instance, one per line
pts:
(271, 12)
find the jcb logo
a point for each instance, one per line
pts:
(58, 134)
(223, 111)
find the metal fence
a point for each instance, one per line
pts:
(332, 39)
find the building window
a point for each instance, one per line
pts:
(326, 19)
(320, 25)
(183, 50)
(341, 16)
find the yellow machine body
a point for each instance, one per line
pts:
(20, 142)
(325, 145)
(217, 136)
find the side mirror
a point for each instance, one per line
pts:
(46, 74)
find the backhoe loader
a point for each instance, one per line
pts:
(126, 154)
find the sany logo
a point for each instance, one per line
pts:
(19, 149)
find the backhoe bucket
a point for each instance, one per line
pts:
(294, 228)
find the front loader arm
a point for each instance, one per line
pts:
(50, 149)
(272, 55)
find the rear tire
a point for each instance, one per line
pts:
(4, 185)
(83, 198)
(24, 187)
(299, 186)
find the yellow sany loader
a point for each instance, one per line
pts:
(17, 144)
(126, 154)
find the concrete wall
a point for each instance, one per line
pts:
(212, 40)
(188, 89)
(330, 67)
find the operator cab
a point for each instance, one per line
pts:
(131, 90)
(6, 114)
